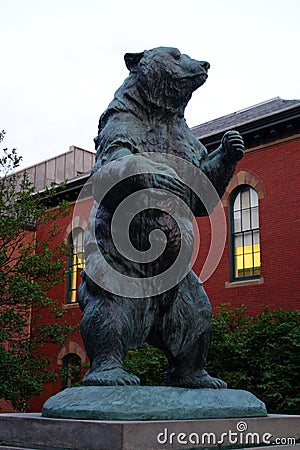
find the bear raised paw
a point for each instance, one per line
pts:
(146, 119)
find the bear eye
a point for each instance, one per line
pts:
(177, 54)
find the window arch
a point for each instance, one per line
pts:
(75, 263)
(71, 370)
(244, 236)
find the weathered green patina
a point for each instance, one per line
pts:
(152, 403)
(146, 117)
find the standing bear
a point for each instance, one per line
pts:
(145, 119)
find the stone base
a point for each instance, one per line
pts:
(31, 431)
(151, 403)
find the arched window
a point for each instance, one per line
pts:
(71, 370)
(244, 226)
(75, 263)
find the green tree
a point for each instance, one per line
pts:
(29, 268)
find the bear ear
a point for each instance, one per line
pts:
(132, 60)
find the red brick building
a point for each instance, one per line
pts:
(261, 257)
(260, 261)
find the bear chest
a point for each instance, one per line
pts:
(171, 140)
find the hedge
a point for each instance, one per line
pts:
(259, 354)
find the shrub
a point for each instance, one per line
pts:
(259, 354)
(148, 363)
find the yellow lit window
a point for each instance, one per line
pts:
(76, 263)
(245, 244)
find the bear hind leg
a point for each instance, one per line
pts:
(185, 335)
(106, 347)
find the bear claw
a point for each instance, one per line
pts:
(112, 377)
(196, 380)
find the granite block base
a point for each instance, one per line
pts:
(32, 431)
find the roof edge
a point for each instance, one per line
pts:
(238, 124)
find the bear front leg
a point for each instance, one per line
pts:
(219, 167)
(220, 164)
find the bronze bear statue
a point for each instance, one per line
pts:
(146, 117)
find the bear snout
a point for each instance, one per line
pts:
(195, 67)
(199, 66)
(205, 65)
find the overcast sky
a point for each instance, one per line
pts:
(62, 61)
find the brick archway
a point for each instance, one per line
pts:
(77, 222)
(243, 177)
(71, 347)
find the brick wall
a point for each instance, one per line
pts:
(277, 168)
(6, 407)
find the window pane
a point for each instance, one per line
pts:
(80, 260)
(238, 244)
(78, 241)
(245, 199)
(255, 237)
(254, 217)
(256, 256)
(237, 221)
(237, 203)
(246, 219)
(71, 373)
(239, 266)
(253, 197)
(248, 239)
(72, 296)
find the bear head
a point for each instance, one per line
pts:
(165, 77)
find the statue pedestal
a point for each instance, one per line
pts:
(32, 431)
(151, 403)
(148, 418)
